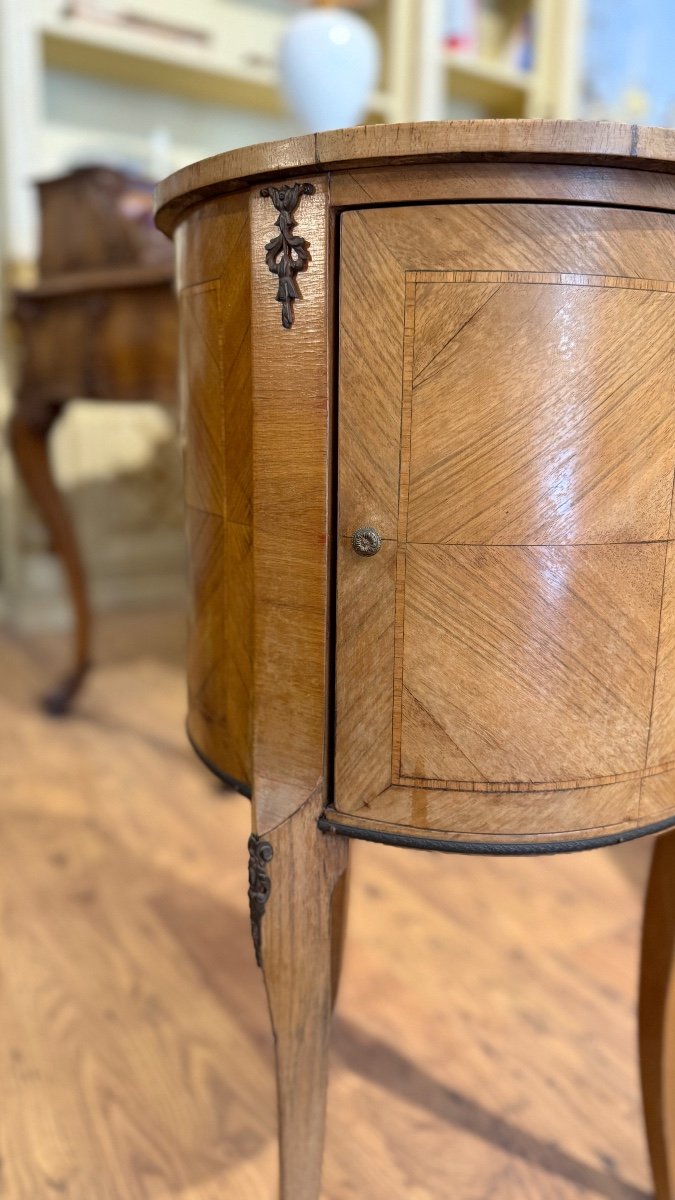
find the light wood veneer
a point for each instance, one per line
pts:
(518, 460)
(476, 361)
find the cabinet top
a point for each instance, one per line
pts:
(607, 143)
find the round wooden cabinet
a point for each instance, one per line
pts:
(428, 378)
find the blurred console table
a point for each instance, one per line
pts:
(100, 324)
(430, 524)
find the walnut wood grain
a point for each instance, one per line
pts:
(111, 227)
(28, 435)
(99, 323)
(101, 342)
(102, 335)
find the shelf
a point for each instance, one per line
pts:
(490, 71)
(383, 104)
(247, 79)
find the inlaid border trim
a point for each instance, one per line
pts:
(631, 282)
(518, 787)
(412, 278)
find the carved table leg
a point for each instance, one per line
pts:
(298, 892)
(657, 1060)
(29, 431)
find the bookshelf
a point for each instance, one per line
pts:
(579, 59)
(227, 55)
(238, 70)
(502, 60)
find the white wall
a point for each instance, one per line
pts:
(87, 120)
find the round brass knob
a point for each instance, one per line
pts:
(366, 541)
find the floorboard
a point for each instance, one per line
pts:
(485, 1044)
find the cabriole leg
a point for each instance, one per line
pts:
(29, 435)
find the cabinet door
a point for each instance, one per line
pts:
(507, 425)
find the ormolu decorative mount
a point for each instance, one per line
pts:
(259, 886)
(287, 253)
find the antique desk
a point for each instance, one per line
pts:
(429, 385)
(100, 324)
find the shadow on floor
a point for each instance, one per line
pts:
(379, 1062)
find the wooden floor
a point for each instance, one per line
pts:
(485, 1039)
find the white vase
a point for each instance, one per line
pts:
(329, 63)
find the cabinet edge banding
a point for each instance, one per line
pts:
(328, 824)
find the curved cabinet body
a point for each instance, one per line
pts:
(507, 423)
(215, 356)
(475, 358)
(427, 377)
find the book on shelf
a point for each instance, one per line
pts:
(487, 30)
